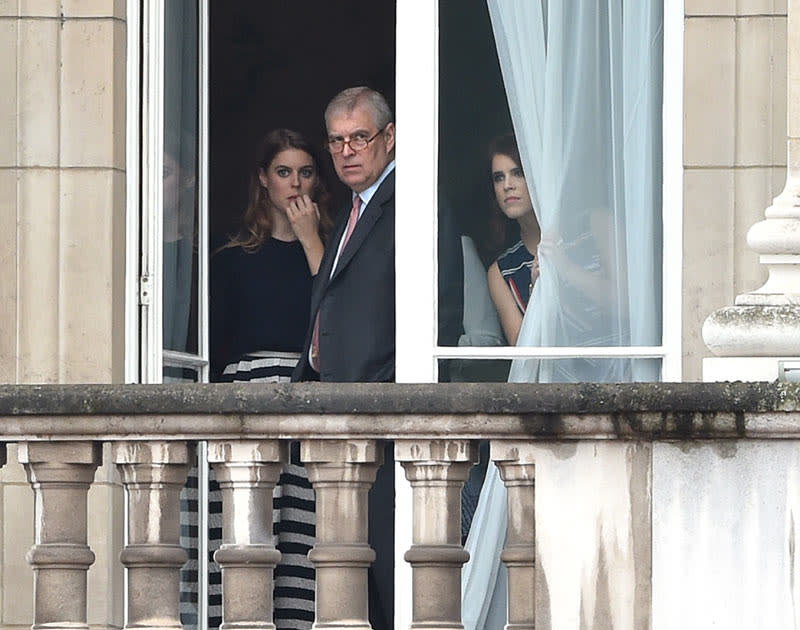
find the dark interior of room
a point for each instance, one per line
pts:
(472, 110)
(277, 64)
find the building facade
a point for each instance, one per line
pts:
(82, 98)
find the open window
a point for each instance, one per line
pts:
(211, 92)
(215, 78)
(582, 91)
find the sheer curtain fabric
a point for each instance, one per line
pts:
(584, 84)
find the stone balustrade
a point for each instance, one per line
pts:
(435, 428)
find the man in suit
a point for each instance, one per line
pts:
(351, 337)
(351, 334)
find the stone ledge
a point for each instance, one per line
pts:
(395, 399)
(669, 411)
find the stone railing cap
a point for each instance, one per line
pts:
(396, 399)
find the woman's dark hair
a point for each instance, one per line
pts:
(257, 220)
(500, 230)
(504, 145)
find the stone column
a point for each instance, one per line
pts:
(247, 473)
(437, 470)
(60, 474)
(517, 470)
(763, 326)
(342, 472)
(62, 169)
(153, 474)
(62, 237)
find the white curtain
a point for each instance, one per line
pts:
(583, 81)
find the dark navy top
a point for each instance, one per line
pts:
(515, 266)
(259, 301)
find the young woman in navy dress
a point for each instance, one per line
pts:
(513, 274)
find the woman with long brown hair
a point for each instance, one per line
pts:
(260, 308)
(261, 278)
(512, 275)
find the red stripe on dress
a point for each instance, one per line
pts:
(517, 297)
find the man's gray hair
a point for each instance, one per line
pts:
(347, 100)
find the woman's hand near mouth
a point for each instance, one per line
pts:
(303, 214)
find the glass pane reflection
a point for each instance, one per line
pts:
(180, 261)
(174, 374)
(554, 157)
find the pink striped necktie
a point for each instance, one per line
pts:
(355, 211)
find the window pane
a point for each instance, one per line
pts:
(180, 261)
(175, 374)
(550, 179)
(560, 370)
(472, 109)
(474, 370)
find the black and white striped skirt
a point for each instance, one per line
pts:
(293, 516)
(264, 366)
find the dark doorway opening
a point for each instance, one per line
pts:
(472, 110)
(277, 64)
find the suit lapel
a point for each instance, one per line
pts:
(324, 273)
(363, 227)
(372, 213)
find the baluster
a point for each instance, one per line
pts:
(247, 473)
(515, 462)
(153, 474)
(60, 474)
(437, 470)
(341, 472)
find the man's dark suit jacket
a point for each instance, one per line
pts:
(356, 344)
(356, 305)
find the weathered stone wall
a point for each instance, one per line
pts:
(62, 221)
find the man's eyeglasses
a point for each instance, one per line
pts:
(358, 142)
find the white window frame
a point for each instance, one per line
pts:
(416, 247)
(145, 356)
(417, 87)
(132, 191)
(152, 187)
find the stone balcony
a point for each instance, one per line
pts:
(629, 478)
